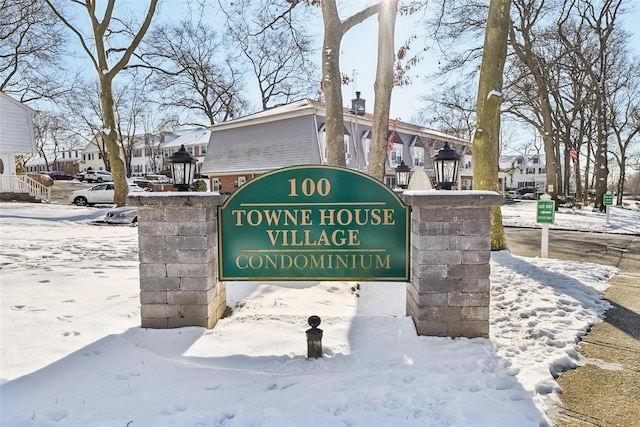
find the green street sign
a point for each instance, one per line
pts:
(313, 223)
(608, 199)
(546, 211)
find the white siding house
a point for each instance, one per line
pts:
(524, 171)
(16, 133)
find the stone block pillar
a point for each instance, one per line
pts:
(450, 253)
(177, 239)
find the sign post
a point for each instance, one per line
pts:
(608, 202)
(545, 216)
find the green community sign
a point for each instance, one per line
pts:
(546, 211)
(608, 199)
(313, 223)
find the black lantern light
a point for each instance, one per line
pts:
(183, 167)
(402, 175)
(445, 164)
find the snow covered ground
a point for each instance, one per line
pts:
(73, 352)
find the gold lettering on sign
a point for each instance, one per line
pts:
(364, 262)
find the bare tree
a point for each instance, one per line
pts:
(194, 72)
(451, 110)
(600, 20)
(83, 108)
(31, 42)
(277, 47)
(132, 108)
(48, 128)
(525, 37)
(624, 119)
(110, 47)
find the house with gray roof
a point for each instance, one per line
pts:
(294, 134)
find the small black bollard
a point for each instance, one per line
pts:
(314, 338)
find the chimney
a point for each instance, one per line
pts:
(357, 105)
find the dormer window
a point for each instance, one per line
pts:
(395, 156)
(418, 156)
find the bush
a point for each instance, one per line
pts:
(199, 185)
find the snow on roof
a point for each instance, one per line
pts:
(525, 161)
(280, 109)
(189, 137)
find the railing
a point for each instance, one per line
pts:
(24, 184)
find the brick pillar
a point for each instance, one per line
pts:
(177, 239)
(450, 253)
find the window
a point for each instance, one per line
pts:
(242, 180)
(418, 156)
(366, 144)
(217, 184)
(395, 157)
(322, 136)
(519, 160)
(322, 140)
(390, 181)
(531, 171)
(347, 153)
(535, 160)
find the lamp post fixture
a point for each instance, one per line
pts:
(183, 167)
(445, 163)
(402, 175)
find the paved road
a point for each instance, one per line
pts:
(599, 394)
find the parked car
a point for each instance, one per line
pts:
(98, 194)
(55, 175)
(150, 180)
(98, 176)
(524, 190)
(513, 195)
(101, 193)
(80, 175)
(122, 215)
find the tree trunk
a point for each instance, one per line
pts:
(383, 87)
(110, 138)
(486, 140)
(331, 83)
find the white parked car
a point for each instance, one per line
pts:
(513, 195)
(98, 194)
(122, 215)
(98, 176)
